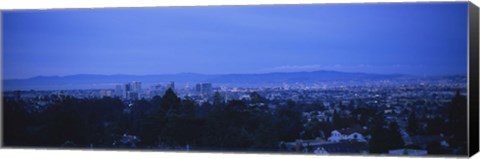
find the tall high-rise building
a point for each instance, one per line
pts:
(128, 87)
(198, 88)
(118, 91)
(133, 90)
(204, 89)
(136, 86)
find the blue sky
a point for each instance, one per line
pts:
(418, 38)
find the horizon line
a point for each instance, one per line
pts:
(251, 73)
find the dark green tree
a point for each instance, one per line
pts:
(288, 122)
(15, 122)
(412, 126)
(337, 120)
(256, 98)
(170, 100)
(65, 123)
(436, 126)
(395, 138)
(434, 148)
(458, 122)
(312, 130)
(377, 143)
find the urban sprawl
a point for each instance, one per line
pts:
(395, 119)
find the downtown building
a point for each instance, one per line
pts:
(133, 90)
(204, 89)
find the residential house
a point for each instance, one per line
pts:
(355, 133)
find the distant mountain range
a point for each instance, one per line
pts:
(91, 81)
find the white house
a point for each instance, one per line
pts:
(336, 136)
(346, 134)
(356, 137)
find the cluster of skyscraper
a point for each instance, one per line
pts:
(203, 89)
(130, 90)
(133, 90)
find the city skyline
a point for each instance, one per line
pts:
(327, 79)
(416, 38)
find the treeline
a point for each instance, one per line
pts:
(166, 122)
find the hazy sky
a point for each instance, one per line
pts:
(421, 38)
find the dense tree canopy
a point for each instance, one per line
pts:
(162, 122)
(170, 122)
